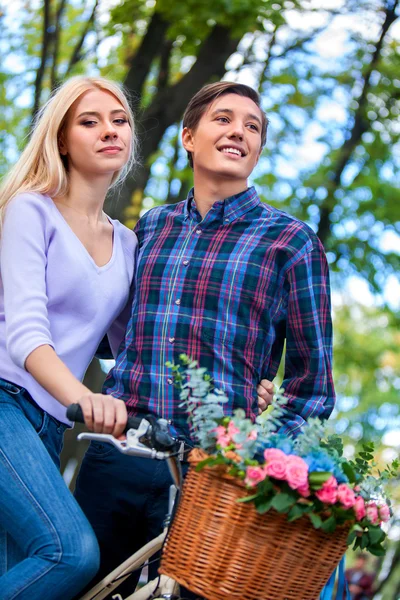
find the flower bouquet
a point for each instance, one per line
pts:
(264, 516)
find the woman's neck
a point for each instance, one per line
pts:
(86, 196)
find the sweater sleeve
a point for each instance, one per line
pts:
(23, 262)
(117, 331)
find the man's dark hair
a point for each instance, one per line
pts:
(207, 94)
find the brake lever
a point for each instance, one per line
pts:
(135, 448)
(139, 436)
(104, 438)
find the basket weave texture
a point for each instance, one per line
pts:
(224, 550)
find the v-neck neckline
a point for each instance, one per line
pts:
(82, 245)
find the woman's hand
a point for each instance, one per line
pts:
(104, 413)
(265, 392)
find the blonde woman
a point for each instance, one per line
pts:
(66, 273)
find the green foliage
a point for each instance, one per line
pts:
(200, 399)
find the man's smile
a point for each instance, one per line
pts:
(232, 150)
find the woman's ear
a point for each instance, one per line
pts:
(62, 145)
(187, 139)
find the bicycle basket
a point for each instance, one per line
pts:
(225, 550)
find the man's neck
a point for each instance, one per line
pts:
(207, 192)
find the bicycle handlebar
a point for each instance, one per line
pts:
(157, 434)
(75, 413)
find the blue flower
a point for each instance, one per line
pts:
(318, 460)
(340, 476)
(276, 440)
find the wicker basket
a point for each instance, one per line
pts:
(224, 550)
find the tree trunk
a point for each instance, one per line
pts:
(149, 49)
(169, 104)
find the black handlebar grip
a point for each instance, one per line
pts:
(74, 413)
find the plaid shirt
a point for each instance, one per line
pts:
(228, 290)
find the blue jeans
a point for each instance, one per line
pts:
(125, 499)
(48, 550)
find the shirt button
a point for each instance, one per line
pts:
(186, 262)
(178, 301)
(226, 220)
(171, 339)
(198, 231)
(170, 381)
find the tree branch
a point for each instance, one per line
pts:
(76, 54)
(360, 125)
(163, 74)
(56, 43)
(46, 40)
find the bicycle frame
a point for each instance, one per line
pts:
(164, 586)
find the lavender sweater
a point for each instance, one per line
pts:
(52, 292)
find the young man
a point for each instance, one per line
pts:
(225, 279)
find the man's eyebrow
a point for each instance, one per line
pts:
(230, 112)
(93, 113)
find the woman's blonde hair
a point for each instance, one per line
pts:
(40, 167)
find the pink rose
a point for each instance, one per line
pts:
(232, 429)
(275, 463)
(304, 491)
(384, 513)
(359, 508)
(274, 454)
(346, 496)
(296, 472)
(220, 430)
(371, 511)
(254, 475)
(328, 492)
(223, 438)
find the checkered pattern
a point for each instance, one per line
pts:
(228, 290)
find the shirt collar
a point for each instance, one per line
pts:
(233, 207)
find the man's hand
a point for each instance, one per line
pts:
(104, 414)
(265, 392)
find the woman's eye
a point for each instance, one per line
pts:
(88, 123)
(254, 127)
(223, 119)
(121, 121)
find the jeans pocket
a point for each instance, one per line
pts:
(36, 416)
(99, 450)
(10, 388)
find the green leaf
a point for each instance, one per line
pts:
(357, 543)
(315, 520)
(329, 525)
(264, 506)
(265, 486)
(296, 512)
(282, 502)
(349, 472)
(210, 461)
(247, 498)
(375, 534)
(377, 550)
(317, 478)
(351, 537)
